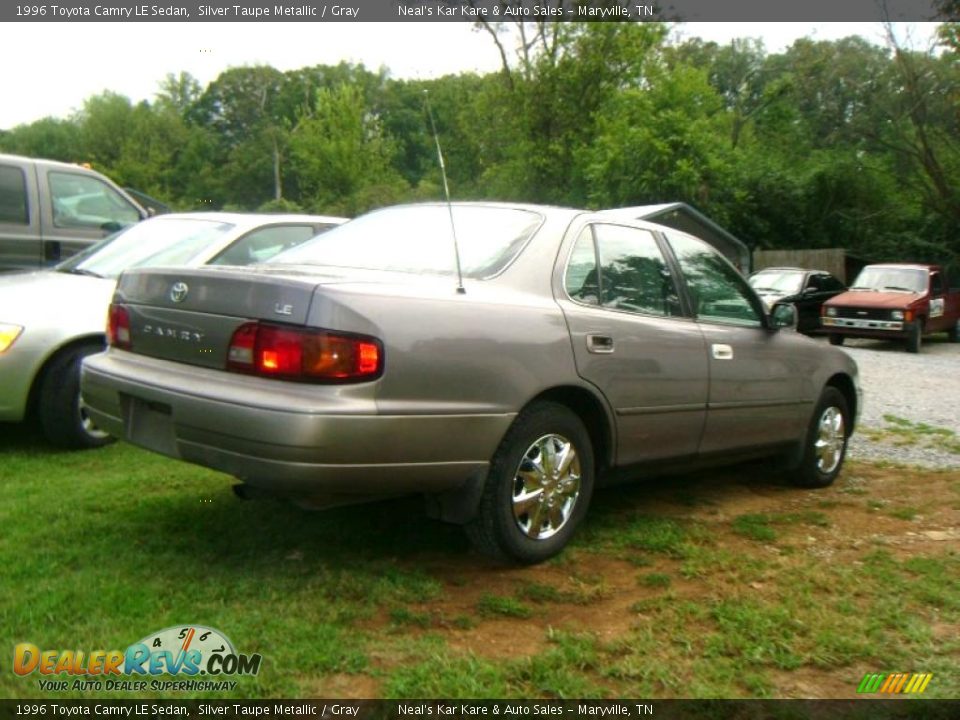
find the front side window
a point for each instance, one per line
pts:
(936, 284)
(832, 284)
(82, 201)
(13, 196)
(718, 292)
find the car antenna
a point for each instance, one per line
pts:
(446, 191)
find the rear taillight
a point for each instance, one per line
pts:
(305, 355)
(118, 327)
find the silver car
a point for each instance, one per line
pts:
(575, 346)
(51, 319)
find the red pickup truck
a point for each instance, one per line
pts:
(895, 301)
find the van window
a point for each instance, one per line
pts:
(88, 202)
(13, 196)
(936, 284)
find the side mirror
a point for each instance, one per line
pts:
(783, 315)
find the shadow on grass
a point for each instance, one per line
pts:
(24, 437)
(264, 536)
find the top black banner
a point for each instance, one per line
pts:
(485, 10)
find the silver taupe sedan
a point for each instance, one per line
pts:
(359, 365)
(51, 319)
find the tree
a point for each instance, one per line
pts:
(341, 155)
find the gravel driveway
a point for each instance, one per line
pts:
(902, 390)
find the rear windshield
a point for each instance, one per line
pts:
(419, 239)
(159, 241)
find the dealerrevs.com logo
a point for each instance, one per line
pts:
(182, 651)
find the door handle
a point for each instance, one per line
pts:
(721, 352)
(599, 343)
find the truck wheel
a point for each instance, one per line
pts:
(836, 339)
(915, 337)
(825, 445)
(62, 415)
(538, 487)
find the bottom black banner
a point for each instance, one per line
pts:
(500, 709)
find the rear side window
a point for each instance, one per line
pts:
(13, 196)
(82, 201)
(263, 244)
(631, 274)
(719, 293)
(634, 275)
(582, 281)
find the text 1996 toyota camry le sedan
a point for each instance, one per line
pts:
(357, 366)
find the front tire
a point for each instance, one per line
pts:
(538, 488)
(836, 339)
(915, 337)
(825, 445)
(62, 415)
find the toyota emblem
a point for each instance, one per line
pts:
(178, 293)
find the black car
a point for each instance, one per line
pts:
(806, 289)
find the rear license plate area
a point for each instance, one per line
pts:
(150, 425)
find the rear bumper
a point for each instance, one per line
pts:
(291, 439)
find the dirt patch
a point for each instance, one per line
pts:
(501, 614)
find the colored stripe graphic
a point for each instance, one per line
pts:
(894, 683)
(871, 682)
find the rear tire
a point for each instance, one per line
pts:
(836, 339)
(825, 445)
(538, 488)
(62, 416)
(953, 334)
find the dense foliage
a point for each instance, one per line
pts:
(828, 144)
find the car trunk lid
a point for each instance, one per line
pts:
(190, 316)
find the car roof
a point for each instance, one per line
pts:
(554, 213)
(790, 269)
(241, 219)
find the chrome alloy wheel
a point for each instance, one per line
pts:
(546, 487)
(831, 439)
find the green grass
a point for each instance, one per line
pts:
(99, 549)
(502, 606)
(902, 432)
(655, 580)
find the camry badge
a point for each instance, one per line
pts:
(178, 293)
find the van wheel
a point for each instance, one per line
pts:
(836, 339)
(538, 488)
(63, 417)
(825, 445)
